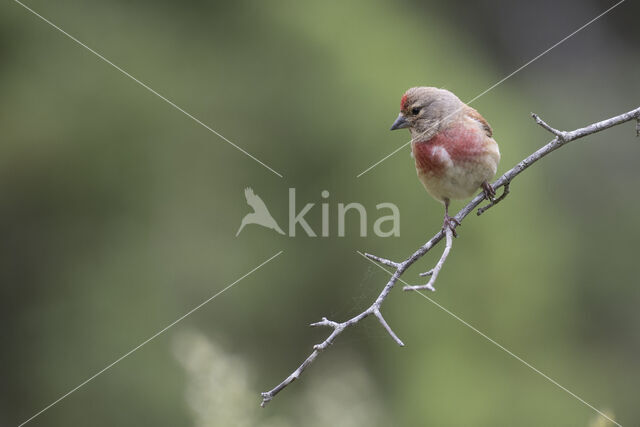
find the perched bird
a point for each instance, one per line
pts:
(452, 144)
(260, 214)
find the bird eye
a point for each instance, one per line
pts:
(415, 110)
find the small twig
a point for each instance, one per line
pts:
(561, 135)
(383, 261)
(492, 203)
(326, 322)
(561, 139)
(386, 326)
(435, 270)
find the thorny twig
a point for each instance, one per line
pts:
(561, 138)
(435, 270)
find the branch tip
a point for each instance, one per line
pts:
(326, 322)
(387, 327)
(562, 136)
(383, 261)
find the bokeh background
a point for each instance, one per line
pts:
(118, 214)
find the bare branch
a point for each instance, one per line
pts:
(383, 261)
(326, 322)
(338, 328)
(386, 326)
(435, 270)
(561, 138)
(556, 132)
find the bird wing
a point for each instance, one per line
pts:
(254, 200)
(472, 113)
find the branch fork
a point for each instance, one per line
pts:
(561, 138)
(435, 270)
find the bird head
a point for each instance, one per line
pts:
(425, 110)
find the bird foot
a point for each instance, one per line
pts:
(450, 223)
(489, 192)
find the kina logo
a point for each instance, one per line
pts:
(384, 226)
(260, 215)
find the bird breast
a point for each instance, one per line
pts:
(455, 161)
(458, 144)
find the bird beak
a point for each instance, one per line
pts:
(400, 123)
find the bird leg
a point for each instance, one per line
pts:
(449, 221)
(489, 192)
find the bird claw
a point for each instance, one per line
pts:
(450, 223)
(489, 192)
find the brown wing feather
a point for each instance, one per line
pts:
(477, 117)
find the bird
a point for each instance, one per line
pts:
(452, 145)
(260, 214)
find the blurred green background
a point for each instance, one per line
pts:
(118, 214)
